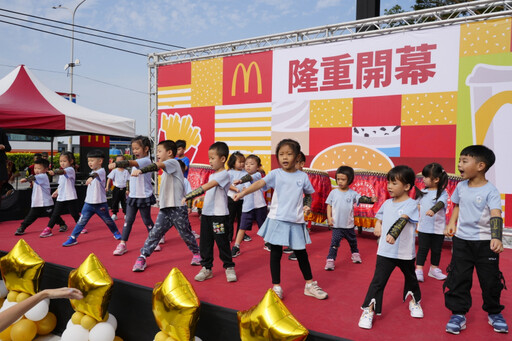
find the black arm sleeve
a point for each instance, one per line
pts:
(437, 207)
(58, 171)
(307, 200)
(195, 193)
(123, 164)
(496, 227)
(397, 227)
(246, 178)
(365, 200)
(150, 168)
(94, 175)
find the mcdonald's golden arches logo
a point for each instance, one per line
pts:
(246, 72)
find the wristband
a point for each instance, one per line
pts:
(246, 178)
(150, 168)
(123, 164)
(365, 200)
(437, 207)
(195, 193)
(58, 171)
(496, 227)
(307, 200)
(397, 227)
(31, 178)
(94, 175)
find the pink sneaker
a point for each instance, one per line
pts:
(356, 258)
(139, 265)
(158, 248)
(47, 232)
(84, 231)
(120, 249)
(196, 259)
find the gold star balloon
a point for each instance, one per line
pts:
(270, 320)
(176, 306)
(21, 268)
(93, 280)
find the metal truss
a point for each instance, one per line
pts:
(153, 116)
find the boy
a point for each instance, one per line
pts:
(119, 177)
(476, 241)
(42, 202)
(95, 199)
(180, 155)
(340, 215)
(214, 218)
(172, 211)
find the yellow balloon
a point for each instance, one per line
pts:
(47, 324)
(161, 336)
(88, 322)
(23, 330)
(21, 268)
(270, 320)
(76, 318)
(22, 296)
(176, 306)
(117, 338)
(5, 335)
(93, 280)
(12, 295)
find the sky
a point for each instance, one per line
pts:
(116, 82)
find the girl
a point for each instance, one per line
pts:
(432, 204)
(236, 164)
(285, 225)
(65, 193)
(254, 205)
(396, 228)
(141, 195)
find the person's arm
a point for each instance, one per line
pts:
(123, 164)
(451, 228)
(363, 199)
(109, 181)
(434, 209)
(154, 167)
(9, 316)
(377, 230)
(29, 178)
(496, 231)
(396, 229)
(199, 191)
(251, 189)
(330, 221)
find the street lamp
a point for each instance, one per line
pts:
(73, 62)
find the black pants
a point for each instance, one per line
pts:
(337, 236)
(129, 219)
(432, 242)
(383, 269)
(38, 212)
(235, 214)
(213, 230)
(58, 210)
(467, 255)
(276, 252)
(118, 196)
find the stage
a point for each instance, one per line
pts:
(331, 319)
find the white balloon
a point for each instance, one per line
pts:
(102, 331)
(69, 324)
(112, 321)
(39, 311)
(3, 289)
(75, 333)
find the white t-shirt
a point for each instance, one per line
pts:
(287, 200)
(437, 223)
(236, 175)
(41, 195)
(96, 190)
(255, 199)
(216, 199)
(342, 203)
(119, 178)
(66, 189)
(188, 188)
(140, 186)
(404, 246)
(172, 188)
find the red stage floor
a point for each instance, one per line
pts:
(338, 315)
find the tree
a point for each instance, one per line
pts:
(394, 10)
(425, 4)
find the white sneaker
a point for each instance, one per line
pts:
(278, 290)
(162, 240)
(366, 319)
(415, 309)
(231, 275)
(203, 274)
(114, 217)
(312, 289)
(419, 275)
(436, 273)
(158, 248)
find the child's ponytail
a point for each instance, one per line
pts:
(435, 170)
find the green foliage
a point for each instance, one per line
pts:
(394, 10)
(425, 4)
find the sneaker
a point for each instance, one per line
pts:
(498, 323)
(419, 275)
(366, 319)
(84, 231)
(114, 217)
(196, 259)
(231, 275)
(120, 249)
(247, 238)
(292, 256)
(312, 289)
(456, 324)
(140, 265)
(356, 258)
(158, 248)
(196, 235)
(70, 242)
(117, 235)
(203, 274)
(235, 251)
(266, 247)
(329, 265)
(47, 232)
(436, 273)
(278, 290)
(162, 240)
(415, 309)
(287, 250)
(63, 228)
(20, 231)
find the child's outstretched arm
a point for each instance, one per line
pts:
(251, 189)
(57, 172)
(367, 200)
(243, 179)
(434, 209)
(199, 191)
(451, 228)
(496, 231)
(396, 229)
(150, 168)
(123, 164)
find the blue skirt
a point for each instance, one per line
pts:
(285, 233)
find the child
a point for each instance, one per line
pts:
(42, 203)
(301, 161)
(215, 215)
(476, 241)
(236, 164)
(65, 193)
(141, 195)
(188, 189)
(396, 228)
(119, 177)
(180, 155)
(432, 204)
(285, 225)
(95, 199)
(340, 215)
(172, 211)
(254, 207)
